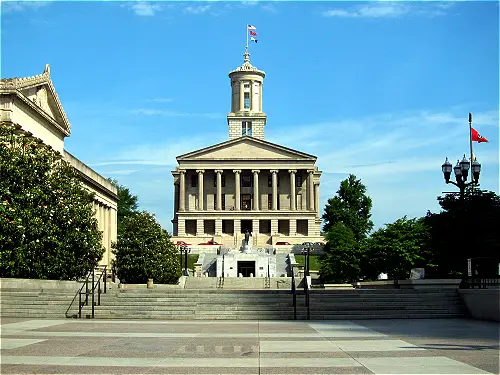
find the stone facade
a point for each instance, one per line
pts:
(32, 104)
(246, 183)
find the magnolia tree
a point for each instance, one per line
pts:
(144, 251)
(47, 225)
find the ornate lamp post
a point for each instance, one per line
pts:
(186, 250)
(461, 171)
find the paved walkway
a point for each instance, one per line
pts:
(454, 346)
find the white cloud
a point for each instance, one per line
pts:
(197, 9)
(122, 172)
(21, 6)
(144, 8)
(389, 9)
(161, 100)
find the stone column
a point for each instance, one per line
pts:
(316, 200)
(252, 104)
(292, 189)
(256, 189)
(260, 96)
(275, 189)
(219, 189)
(182, 190)
(237, 185)
(310, 186)
(242, 95)
(200, 189)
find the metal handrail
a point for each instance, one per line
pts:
(294, 295)
(96, 284)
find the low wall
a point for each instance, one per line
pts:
(410, 284)
(482, 304)
(40, 285)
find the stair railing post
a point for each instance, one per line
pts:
(80, 304)
(99, 293)
(105, 277)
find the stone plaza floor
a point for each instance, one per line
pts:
(423, 346)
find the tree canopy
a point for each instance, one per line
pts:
(48, 229)
(127, 203)
(351, 207)
(144, 251)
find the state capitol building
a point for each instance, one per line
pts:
(246, 183)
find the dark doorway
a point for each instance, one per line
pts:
(246, 202)
(246, 225)
(246, 268)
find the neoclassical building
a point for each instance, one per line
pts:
(33, 106)
(246, 183)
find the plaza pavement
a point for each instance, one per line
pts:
(441, 346)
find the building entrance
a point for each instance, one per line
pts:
(246, 225)
(246, 268)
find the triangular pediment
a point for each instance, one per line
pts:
(246, 148)
(40, 91)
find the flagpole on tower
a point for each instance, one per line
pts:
(470, 139)
(246, 47)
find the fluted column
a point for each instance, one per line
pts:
(182, 190)
(310, 186)
(242, 96)
(256, 189)
(200, 189)
(275, 189)
(237, 185)
(292, 189)
(316, 199)
(219, 189)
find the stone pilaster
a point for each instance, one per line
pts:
(292, 189)
(256, 189)
(255, 231)
(293, 227)
(218, 227)
(310, 188)
(316, 200)
(219, 189)
(242, 96)
(200, 227)
(181, 227)
(274, 227)
(237, 188)
(200, 189)
(182, 190)
(274, 206)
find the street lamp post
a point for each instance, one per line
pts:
(306, 251)
(461, 171)
(186, 250)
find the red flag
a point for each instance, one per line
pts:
(476, 137)
(253, 33)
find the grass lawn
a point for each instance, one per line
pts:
(313, 261)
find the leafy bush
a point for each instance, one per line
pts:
(144, 251)
(47, 225)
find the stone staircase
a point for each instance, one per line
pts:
(277, 304)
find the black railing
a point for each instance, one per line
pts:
(83, 295)
(294, 295)
(482, 272)
(480, 282)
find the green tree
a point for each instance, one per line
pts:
(144, 251)
(340, 262)
(351, 207)
(127, 203)
(465, 229)
(47, 225)
(396, 249)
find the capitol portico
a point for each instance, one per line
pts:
(246, 183)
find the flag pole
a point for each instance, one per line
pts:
(246, 47)
(470, 141)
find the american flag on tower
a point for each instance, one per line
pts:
(252, 31)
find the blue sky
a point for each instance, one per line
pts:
(378, 89)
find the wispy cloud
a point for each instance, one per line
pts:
(144, 8)
(389, 9)
(161, 100)
(170, 113)
(197, 9)
(21, 6)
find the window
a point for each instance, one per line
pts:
(246, 128)
(215, 201)
(270, 180)
(278, 179)
(269, 201)
(223, 201)
(298, 181)
(246, 181)
(194, 181)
